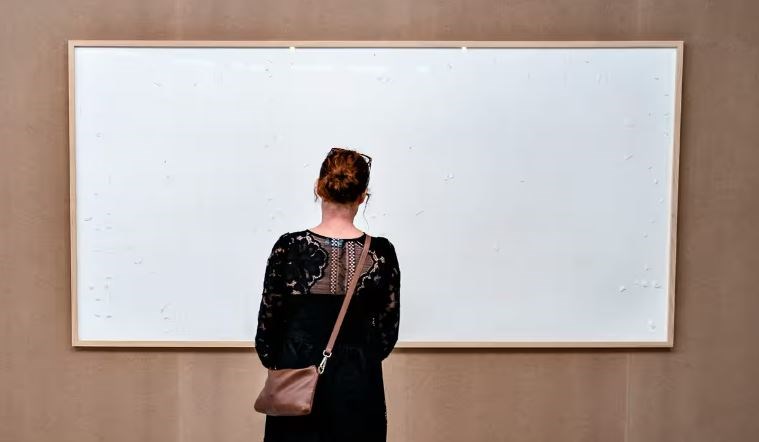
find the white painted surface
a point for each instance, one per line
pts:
(527, 191)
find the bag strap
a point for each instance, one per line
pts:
(336, 329)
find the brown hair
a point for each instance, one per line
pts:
(343, 177)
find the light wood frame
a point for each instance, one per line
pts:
(678, 44)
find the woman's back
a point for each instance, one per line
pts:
(307, 275)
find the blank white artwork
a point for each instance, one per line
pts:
(528, 191)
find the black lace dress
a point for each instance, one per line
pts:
(306, 278)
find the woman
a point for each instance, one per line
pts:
(307, 275)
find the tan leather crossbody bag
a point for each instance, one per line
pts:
(290, 391)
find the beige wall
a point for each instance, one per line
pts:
(702, 390)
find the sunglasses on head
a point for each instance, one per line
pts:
(366, 157)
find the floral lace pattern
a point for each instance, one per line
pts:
(271, 309)
(303, 263)
(387, 317)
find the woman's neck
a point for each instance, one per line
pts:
(337, 220)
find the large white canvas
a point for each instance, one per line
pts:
(529, 191)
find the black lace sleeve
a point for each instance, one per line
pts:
(269, 330)
(388, 314)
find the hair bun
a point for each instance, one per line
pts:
(343, 177)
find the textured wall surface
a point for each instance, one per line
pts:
(702, 390)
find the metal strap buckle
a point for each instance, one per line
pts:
(323, 363)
